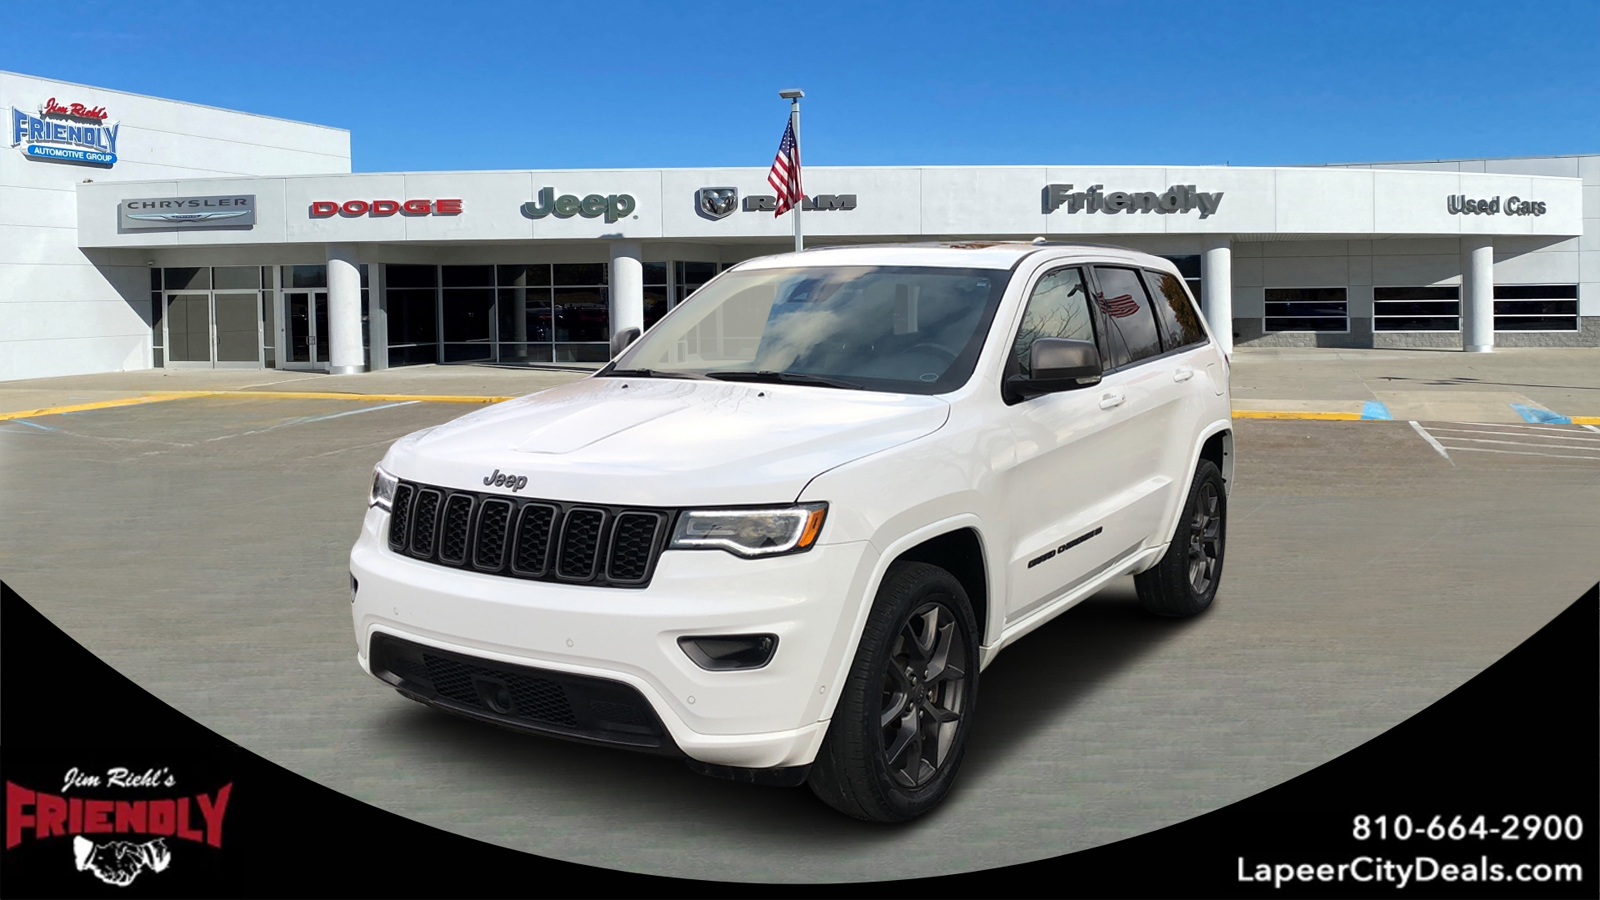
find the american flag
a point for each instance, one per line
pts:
(785, 174)
(1118, 307)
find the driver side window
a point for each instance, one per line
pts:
(1057, 308)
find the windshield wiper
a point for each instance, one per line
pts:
(646, 373)
(786, 378)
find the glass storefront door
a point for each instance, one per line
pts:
(306, 318)
(213, 330)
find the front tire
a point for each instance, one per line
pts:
(898, 735)
(1185, 581)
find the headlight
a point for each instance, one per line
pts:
(750, 532)
(383, 485)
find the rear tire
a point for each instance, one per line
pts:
(897, 737)
(1185, 581)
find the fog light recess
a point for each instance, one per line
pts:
(727, 652)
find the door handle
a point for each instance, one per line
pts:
(1183, 374)
(1112, 400)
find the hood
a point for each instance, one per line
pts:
(658, 442)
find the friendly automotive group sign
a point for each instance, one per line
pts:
(66, 132)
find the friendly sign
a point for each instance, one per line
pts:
(71, 133)
(1180, 198)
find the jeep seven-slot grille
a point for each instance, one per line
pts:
(544, 540)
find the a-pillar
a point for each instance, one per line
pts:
(1477, 294)
(1216, 287)
(344, 311)
(627, 286)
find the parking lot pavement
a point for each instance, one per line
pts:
(199, 545)
(1440, 385)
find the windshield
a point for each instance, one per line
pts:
(886, 328)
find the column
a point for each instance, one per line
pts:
(1477, 294)
(377, 316)
(627, 286)
(1216, 287)
(344, 310)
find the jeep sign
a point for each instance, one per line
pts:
(612, 206)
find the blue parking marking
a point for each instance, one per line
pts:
(1539, 416)
(1376, 410)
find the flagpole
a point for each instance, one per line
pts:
(793, 95)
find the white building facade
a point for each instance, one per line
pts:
(63, 310)
(224, 239)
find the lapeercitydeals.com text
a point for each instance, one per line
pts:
(1418, 870)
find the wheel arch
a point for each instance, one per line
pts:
(1214, 443)
(959, 552)
(1218, 447)
(960, 538)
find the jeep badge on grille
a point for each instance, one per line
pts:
(515, 482)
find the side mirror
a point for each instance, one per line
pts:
(621, 340)
(1058, 364)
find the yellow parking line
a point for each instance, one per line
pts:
(333, 395)
(80, 407)
(157, 397)
(1270, 414)
(1586, 420)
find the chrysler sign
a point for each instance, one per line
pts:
(230, 211)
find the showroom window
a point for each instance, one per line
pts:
(1189, 268)
(467, 313)
(582, 314)
(269, 319)
(205, 316)
(157, 332)
(1436, 308)
(519, 313)
(522, 307)
(413, 308)
(1306, 309)
(553, 313)
(306, 332)
(1535, 307)
(655, 292)
(692, 276)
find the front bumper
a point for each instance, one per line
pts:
(758, 718)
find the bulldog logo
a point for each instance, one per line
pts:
(716, 202)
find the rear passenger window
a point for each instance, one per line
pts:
(1180, 322)
(1129, 325)
(1058, 308)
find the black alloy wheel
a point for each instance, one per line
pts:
(897, 736)
(1205, 539)
(924, 695)
(1184, 581)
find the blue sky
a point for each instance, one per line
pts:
(499, 85)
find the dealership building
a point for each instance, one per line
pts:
(137, 232)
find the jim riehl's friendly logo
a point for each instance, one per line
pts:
(98, 824)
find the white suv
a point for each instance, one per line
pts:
(783, 531)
